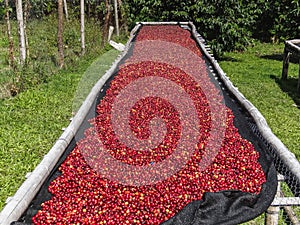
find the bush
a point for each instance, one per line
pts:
(279, 21)
(42, 60)
(226, 24)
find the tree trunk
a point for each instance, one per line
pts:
(66, 10)
(82, 27)
(26, 16)
(123, 18)
(88, 9)
(106, 23)
(117, 17)
(60, 44)
(21, 31)
(11, 58)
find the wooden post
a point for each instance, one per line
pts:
(272, 213)
(292, 215)
(291, 47)
(285, 66)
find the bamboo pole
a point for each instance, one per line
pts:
(292, 215)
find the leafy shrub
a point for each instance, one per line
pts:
(42, 60)
(279, 21)
(2, 8)
(226, 24)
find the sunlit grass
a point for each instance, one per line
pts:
(257, 74)
(32, 121)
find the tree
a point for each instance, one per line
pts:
(26, 16)
(82, 27)
(123, 15)
(21, 31)
(106, 22)
(279, 21)
(225, 24)
(116, 17)
(60, 44)
(66, 9)
(10, 38)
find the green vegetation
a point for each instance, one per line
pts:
(32, 121)
(225, 24)
(257, 74)
(42, 62)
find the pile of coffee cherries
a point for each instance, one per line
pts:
(146, 179)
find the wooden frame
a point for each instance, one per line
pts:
(292, 47)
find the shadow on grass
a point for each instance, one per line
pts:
(228, 59)
(289, 86)
(279, 57)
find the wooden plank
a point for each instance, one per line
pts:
(286, 201)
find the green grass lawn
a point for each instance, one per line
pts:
(4, 79)
(257, 74)
(31, 122)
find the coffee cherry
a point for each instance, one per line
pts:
(82, 195)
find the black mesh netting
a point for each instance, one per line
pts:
(224, 207)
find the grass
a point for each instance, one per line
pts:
(257, 74)
(32, 121)
(42, 60)
(4, 78)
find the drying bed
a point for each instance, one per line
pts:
(166, 144)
